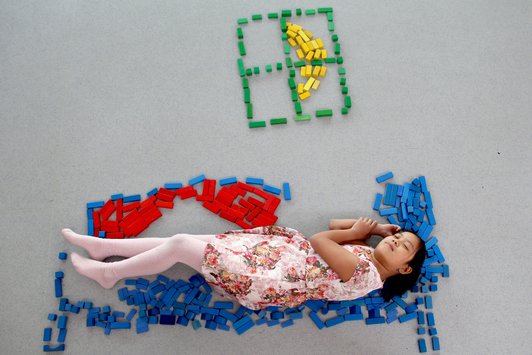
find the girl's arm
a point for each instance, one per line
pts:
(341, 223)
(327, 245)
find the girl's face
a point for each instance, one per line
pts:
(395, 251)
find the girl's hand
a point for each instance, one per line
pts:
(364, 227)
(385, 230)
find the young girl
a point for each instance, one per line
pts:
(271, 265)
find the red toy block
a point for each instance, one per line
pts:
(164, 204)
(110, 226)
(271, 204)
(131, 206)
(132, 217)
(148, 202)
(186, 192)
(253, 214)
(213, 206)
(256, 202)
(107, 209)
(119, 206)
(261, 193)
(246, 204)
(151, 215)
(243, 224)
(245, 186)
(209, 187)
(96, 232)
(229, 216)
(96, 218)
(165, 195)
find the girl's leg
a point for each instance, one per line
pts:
(100, 249)
(178, 248)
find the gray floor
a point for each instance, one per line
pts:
(98, 98)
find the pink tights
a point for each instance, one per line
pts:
(146, 256)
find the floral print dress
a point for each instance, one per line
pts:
(276, 266)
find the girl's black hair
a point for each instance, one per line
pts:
(398, 284)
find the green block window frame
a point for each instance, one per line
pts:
(248, 71)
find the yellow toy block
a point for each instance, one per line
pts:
(316, 71)
(300, 41)
(292, 42)
(316, 85)
(310, 55)
(317, 54)
(300, 88)
(295, 28)
(323, 53)
(309, 83)
(288, 24)
(305, 48)
(323, 70)
(303, 72)
(313, 45)
(308, 33)
(300, 54)
(304, 36)
(309, 70)
(304, 95)
(291, 34)
(319, 43)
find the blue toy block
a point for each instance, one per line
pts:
(62, 335)
(117, 197)
(334, 321)
(287, 323)
(152, 192)
(261, 321)
(286, 191)
(428, 302)
(388, 211)
(428, 199)
(90, 227)
(58, 288)
(59, 274)
(420, 317)
(411, 308)
(101, 234)
(407, 317)
(377, 203)
(386, 176)
(272, 189)
(62, 256)
(47, 336)
(430, 216)
(388, 195)
(423, 183)
(242, 321)
(173, 185)
(48, 348)
(422, 345)
(435, 344)
(227, 181)
(52, 317)
(224, 327)
(430, 319)
(61, 324)
(277, 315)
(392, 220)
(254, 181)
(196, 324)
(316, 319)
(132, 198)
(433, 288)
(95, 204)
(273, 322)
(431, 242)
(376, 320)
(196, 180)
(245, 327)
(433, 331)
(223, 305)
(421, 330)
(399, 302)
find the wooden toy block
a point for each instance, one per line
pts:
(308, 84)
(304, 96)
(316, 85)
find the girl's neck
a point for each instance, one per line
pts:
(383, 272)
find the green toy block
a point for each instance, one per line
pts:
(242, 21)
(292, 83)
(269, 68)
(337, 48)
(343, 81)
(284, 36)
(344, 90)
(297, 106)
(273, 15)
(324, 113)
(348, 101)
(341, 71)
(245, 83)
(256, 70)
(294, 95)
(250, 110)
(241, 48)
(316, 62)
(340, 60)
(247, 96)
(334, 37)
(286, 48)
(344, 110)
(279, 66)
(288, 60)
(241, 69)
(256, 17)
(329, 16)
(302, 117)
(299, 63)
(239, 33)
(257, 124)
(275, 121)
(331, 26)
(310, 12)
(283, 24)
(298, 12)
(286, 13)
(323, 10)
(330, 60)
(249, 72)
(292, 73)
